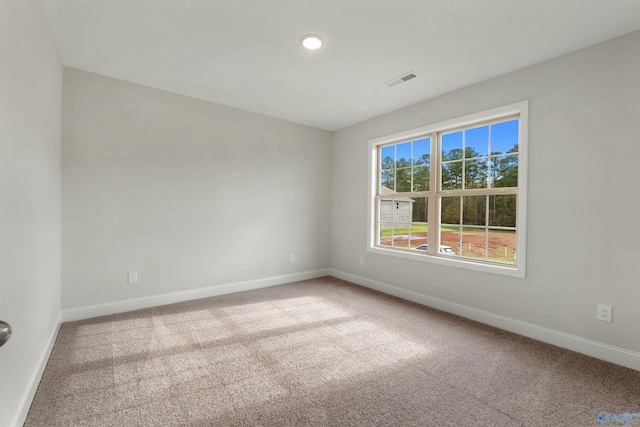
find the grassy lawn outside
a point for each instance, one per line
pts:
(415, 228)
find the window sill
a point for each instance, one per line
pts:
(465, 263)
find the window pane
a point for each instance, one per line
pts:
(388, 157)
(504, 171)
(450, 210)
(421, 178)
(476, 142)
(403, 180)
(387, 181)
(473, 242)
(474, 210)
(419, 226)
(403, 155)
(452, 176)
(385, 233)
(420, 211)
(422, 151)
(419, 234)
(401, 235)
(504, 137)
(502, 210)
(402, 211)
(475, 173)
(450, 237)
(502, 246)
(386, 213)
(452, 146)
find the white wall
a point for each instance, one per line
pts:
(583, 231)
(30, 127)
(189, 193)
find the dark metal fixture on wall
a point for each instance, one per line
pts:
(5, 332)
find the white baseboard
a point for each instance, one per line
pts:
(90, 311)
(34, 381)
(599, 350)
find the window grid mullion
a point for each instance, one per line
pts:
(486, 228)
(411, 166)
(461, 225)
(490, 166)
(433, 237)
(480, 192)
(395, 168)
(464, 161)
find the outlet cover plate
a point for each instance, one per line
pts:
(132, 277)
(605, 313)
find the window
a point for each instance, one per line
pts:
(454, 192)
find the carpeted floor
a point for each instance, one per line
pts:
(322, 352)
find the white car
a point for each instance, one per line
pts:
(443, 249)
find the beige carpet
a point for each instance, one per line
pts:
(322, 352)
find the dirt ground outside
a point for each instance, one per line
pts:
(501, 244)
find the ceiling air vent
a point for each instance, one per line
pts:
(403, 78)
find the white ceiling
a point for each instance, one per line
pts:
(247, 53)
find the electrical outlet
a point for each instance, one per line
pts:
(292, 259)
(361, 261)
(132, 277)
(605, 313)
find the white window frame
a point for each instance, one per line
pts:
(519, 269)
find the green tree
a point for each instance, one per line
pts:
(425, 159)
(420, 209)
(450, 210)
(403, 180)
(474, 210)
(387, 163)
(421, 178)
(454, 154)
(505, 169)
(387, 173)
(502, 210)
(403, 175)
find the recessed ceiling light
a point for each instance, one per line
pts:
(312, 41)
